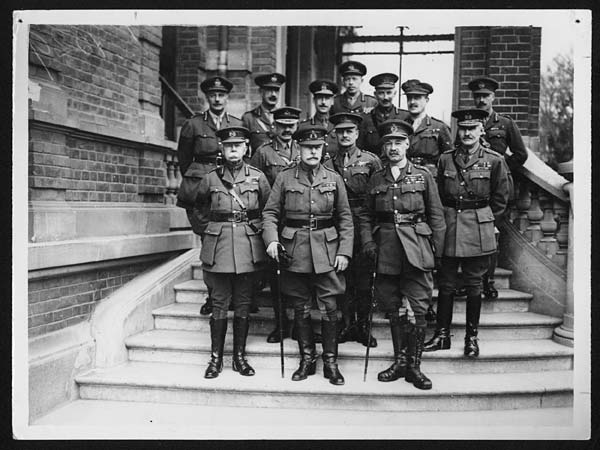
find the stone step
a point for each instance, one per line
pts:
(502, 276)
(497, 356)
(181, 383)
(98, 419)
(509, 300)
(498, 325)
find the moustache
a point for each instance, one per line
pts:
(272, 97)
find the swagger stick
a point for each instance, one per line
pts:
(280, 318)
(372, 307)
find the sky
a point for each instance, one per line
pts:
(437, 70)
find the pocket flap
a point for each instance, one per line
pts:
(379, 190)
(214, 228)
(423, 229)
(484, 215)
(476, 174)
(323, 189)
(449, 174)
(360, 169)
(215, 188)
(299, 189)
(331, 234)
(248, 187)
(413, 187)
(288, 233)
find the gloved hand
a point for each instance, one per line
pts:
(370, 250)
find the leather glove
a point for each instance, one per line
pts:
(285, 260)
(370, 250)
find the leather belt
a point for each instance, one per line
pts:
(399, 218)
(465, 203)
(310, 224)
(234, 216)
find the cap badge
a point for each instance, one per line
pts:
(217, 82)
(232, 133)
(394, 128)
(468, 116)
(286, 112)
(324, 87)
(350, 67)
(481, 85)
(313, 135)
(274, 78)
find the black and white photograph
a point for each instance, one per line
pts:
(302, 224)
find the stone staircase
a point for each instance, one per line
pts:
(520, 367)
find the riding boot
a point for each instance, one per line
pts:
(218, 329)
(347, 332)
(306, 344)
(416, 338)
(398, 368)
(431, 315)
(274, 336)
(330, 367)
(362, 329)
(206, 308)
(473, 313)
(240, 333)
(441, 337)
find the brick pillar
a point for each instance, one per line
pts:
(510, 55)
(150, 122)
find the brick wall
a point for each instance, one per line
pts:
(510, 55)
(58, 302)
(67, 168)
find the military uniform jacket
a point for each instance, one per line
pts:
(294, 197)
(470, 232)
(431, 139)
(330, 138)
(230, 247)
(198, 139)
(262, 128)
(271, 160)
(368, 138)
(502, 133)
(414, 191)
(364, 103)
(355, 173)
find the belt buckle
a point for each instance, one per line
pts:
(398, 218)
(312, 223)
(238, 216)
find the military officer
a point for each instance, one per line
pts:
(229, 202)
(309, 215)
(260, 120)
(385, 91)
(199, 148)
(352, 99)
(402, 227)
(431, 136)
(272, 157)
(505, 138)
(474, 186)
(355, 167)
(323, 92)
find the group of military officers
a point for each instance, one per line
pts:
(361, 195)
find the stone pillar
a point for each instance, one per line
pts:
(564, 333)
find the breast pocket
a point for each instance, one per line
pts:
(480, 182)
(449, 180)
(359, 177)
(293, 198)
(325, 198)
(412, 197)
(205, 143)
(220, 198)
(382, 202)
(497, 139)
(249, 194)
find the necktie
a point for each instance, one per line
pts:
(218, 122)
(395, 172)
(311, 177)
(466, 157)
(346, 159)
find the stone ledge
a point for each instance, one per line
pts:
(80, 251)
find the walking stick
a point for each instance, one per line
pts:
(280, 318)
(370, 326)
